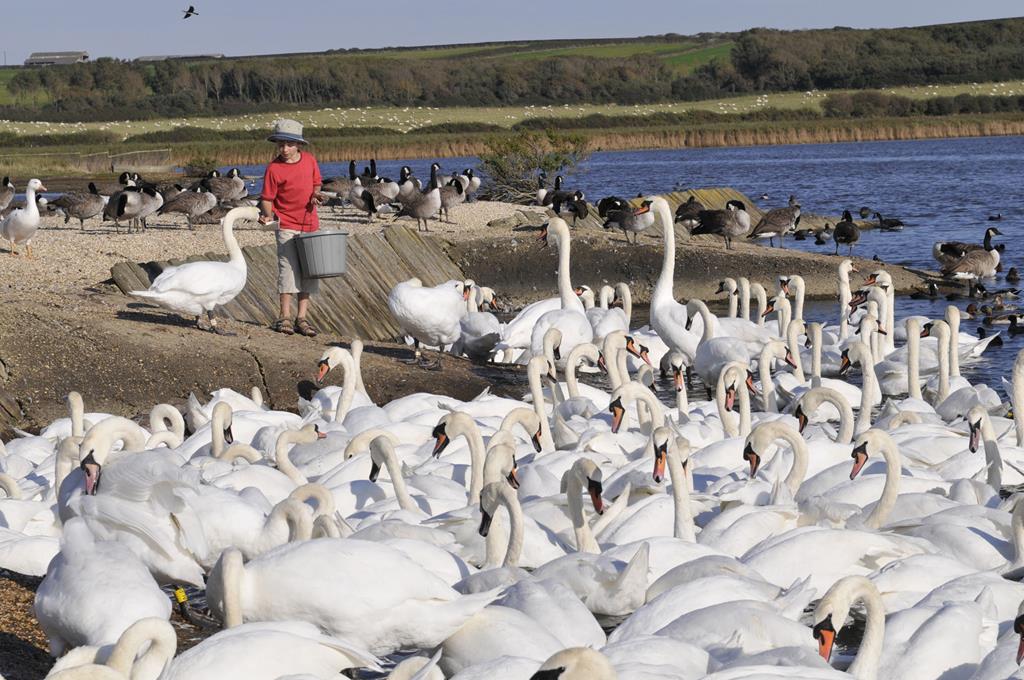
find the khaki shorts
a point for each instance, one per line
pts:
(289, 273)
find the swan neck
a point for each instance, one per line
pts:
(914, 363)
(585, 541)
(953, 319)
(890, 491)
(515, 532)
(477, 454)
(1018, 398)
(793, 332)
(663, 289)
(284, 463)
(993, 458)
(865, 665)
(569, 298)
(405, 500)
(744, 290)
(683, 526)
(162, 645)
(348, 387)
(232, 573)
(764, 373)
(235, 256)
(537, 394)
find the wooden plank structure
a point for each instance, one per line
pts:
(354, 305)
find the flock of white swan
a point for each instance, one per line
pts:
(501, 539)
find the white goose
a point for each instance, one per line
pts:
(20, 225)
(197, 287)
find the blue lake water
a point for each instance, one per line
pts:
(942, 190)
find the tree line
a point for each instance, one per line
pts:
(760, 60)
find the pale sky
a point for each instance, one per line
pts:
(233, 27)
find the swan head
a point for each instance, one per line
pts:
(844, 362)
(491, 497)
(770, 307)
(641, 352)
(835, 606)
(332, 357)
(576, 663)
(441, 438)
(873, 439)
(644, 207)
(660, 438)
(1018, 628)
(381, 449)
(975, 418)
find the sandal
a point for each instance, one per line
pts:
(283, 326)
(304, 327)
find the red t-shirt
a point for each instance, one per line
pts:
(290, 187)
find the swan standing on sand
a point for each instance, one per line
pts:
(20, 225)
(197, 287)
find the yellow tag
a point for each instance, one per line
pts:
(180, 596)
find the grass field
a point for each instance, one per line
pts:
(408, 118)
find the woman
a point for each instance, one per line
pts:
(291, 189)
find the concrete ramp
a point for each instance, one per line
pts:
(354, 305)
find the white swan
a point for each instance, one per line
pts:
(668, 317)
(713, 353)
(430, 315)
(417, 609)
(571, 319)
(21, 224)
(73, 602)
(197, 287)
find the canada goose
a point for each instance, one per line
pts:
(369, 175)
(363, 200)
(777, 222)
(975, 290)
(1012, 276)
(729, 223)
(110, 188)
(171, 191)
(995, 218)
(973, 265)
(609, 203)
(474, 184)
(631, 220)
(542, 191)
(1014, 329)
(421, 204)
(341, 185)
(226, 188)
(823, 236)
(846, 233)
(562, 195)
(138, 204)
(79, 204)
(452, 194)
(688, 214)
(888, 223)
(6, 193)
(865, 212)
(190, 203)
(190, 12)
(576, 205)
(949, 252)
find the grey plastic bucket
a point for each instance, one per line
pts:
(322, 253)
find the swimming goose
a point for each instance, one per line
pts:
(430, 316)
(197, 287)
(778, 222)
(888, 223)
(846, 233)
(729, 223)
(20, 225)
(420, 205)
(7, 192)
(191, 203)
(79, 204)
(631, 220)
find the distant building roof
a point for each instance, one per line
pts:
(165, 57)
(47, 58)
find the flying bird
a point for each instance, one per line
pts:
(191, 11)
